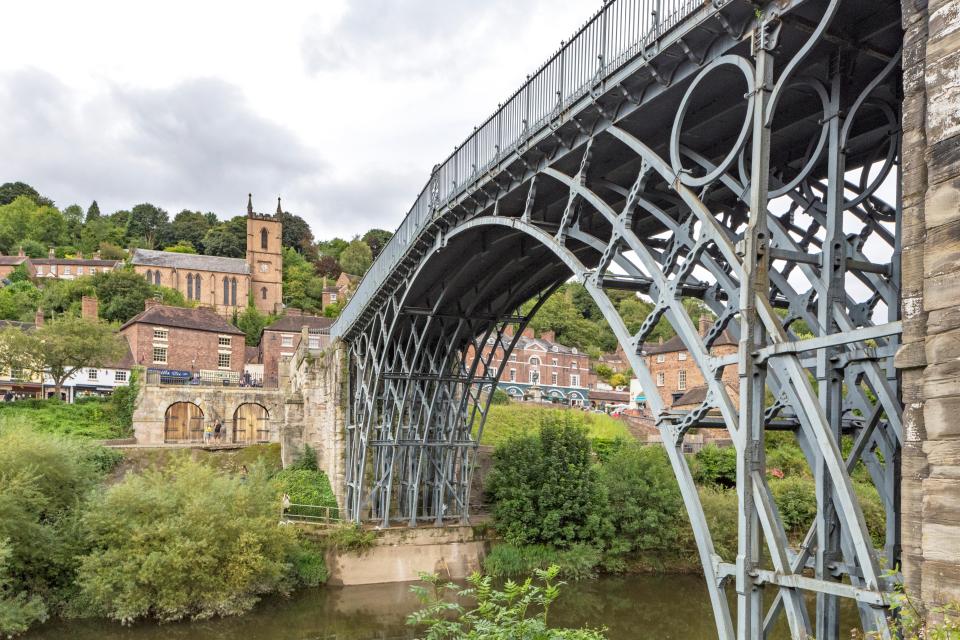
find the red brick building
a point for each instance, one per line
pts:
(282, 338)
(542, 369)
(179, 342)
(675, 373)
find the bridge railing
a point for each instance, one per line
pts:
(614, 35)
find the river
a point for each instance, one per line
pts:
(633, 607)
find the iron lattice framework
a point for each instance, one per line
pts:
(751, 161)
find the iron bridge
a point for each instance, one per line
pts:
(743, 153)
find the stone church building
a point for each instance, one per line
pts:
(225, 284)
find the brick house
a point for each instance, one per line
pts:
(56, 268)
(9, 263)
(186, 343)
(282, 338)
(225, 284)
(541, 369)
(675, 373)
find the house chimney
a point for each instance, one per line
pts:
(704, 326)
(660, 340)
(96, 254)
(20, 252)
(51, 254)
(549, 336)
(79, 255)
(508, 331)
(528, 333)
(90, 308)
(38, 318)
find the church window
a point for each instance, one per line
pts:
(226, 291)
(233, 291)
(189, 286)
(156, 277)
(196, 286)
(263, 293)
(263, 239)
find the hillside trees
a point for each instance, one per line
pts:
(357, 257)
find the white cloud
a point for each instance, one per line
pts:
(341, 110)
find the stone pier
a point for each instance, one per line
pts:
(930, 356)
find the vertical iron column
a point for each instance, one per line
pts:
(829, 378)
(751, 463)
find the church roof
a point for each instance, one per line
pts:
(149, 258)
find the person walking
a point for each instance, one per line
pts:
(207, 433)
(217, 431)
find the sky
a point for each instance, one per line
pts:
(340, 107)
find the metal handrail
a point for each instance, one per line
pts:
(614, 35)
(324, 514)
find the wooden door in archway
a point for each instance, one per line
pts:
(183, 422)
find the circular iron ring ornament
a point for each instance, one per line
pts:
(676, 164)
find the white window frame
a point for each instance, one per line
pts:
(66, 270)
(286, 340)
(224, 342)
(554, 361)
(682, 355)
(661, 378)
(534, 361)
(160, 334)
(92, 374)
(574, 380)
(162, 351)
(513, 375)
(313, 341)
(333, 297)
(554, 378)
(119, 376)
(661, 358)
(220, 357)
(574, 365)
(682, 380)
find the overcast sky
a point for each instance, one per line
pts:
(342, 108)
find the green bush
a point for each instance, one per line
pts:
(716, 466)
(44, 479)
(183, 542)
(351, 537)
(500, 397)
(578, 562)
(91, 417)
(720, 510)
(309, 565)
(521, 610)
(122, 403)
(797, 502)
(544, 487)
(306, 460)
(643, 502)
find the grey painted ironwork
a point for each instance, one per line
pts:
(746, 158)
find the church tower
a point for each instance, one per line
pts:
(264, 233)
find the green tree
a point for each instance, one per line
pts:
(296, 234)
(251, 321)
(10, 191)
(302, 288)
(60, 348)
(333, 248)
(19, 301)
(144, 531)
(148, 222)
(356, 258)
(93, 211)
(328, 267)
(190, 227)
(377, 239)
(182, 246)
(73, 216)
(228, 239)
(544, 487)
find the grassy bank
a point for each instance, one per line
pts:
(516, 419)
(99, 419)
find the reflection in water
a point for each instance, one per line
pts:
(662, 607)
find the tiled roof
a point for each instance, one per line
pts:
(294, 322)
(12, 260)
(676, 344)
(201, 319)
(612, 396)
(149, 258)
(80, 262)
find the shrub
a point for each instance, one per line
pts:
(578, 562)
(544, 488)
(185, 541)
(306, 460)
(643, 501)
(44, 479)
(720, 510)
(306, 488)
(500, 397)
(797, 502)
(715, 465)
(521, 610)
(309, 565)
(351, 537)
(122, 403)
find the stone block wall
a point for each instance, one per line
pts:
(929, 359)
(316, 397)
